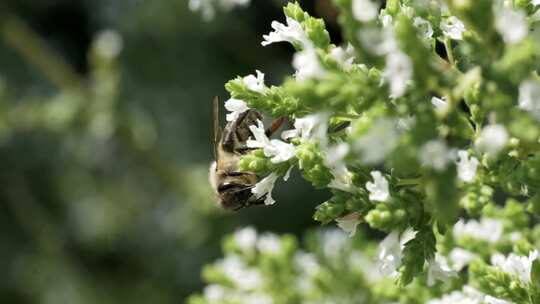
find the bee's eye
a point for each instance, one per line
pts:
(227, 186)
(237, 173)
(224, 187)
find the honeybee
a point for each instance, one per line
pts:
(232, 186)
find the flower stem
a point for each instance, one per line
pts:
(449, 51)
(409, 181)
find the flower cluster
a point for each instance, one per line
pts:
(426, 110)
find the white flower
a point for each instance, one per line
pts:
(398, 71)
(109, 44)
(230, 4)
(378, 190)
(214, 293)
(334, 242)
(438, 269)
(492, 139)
(278, 150)
(236, 107)
(424, 26)
(265, 187)
(307, 127)
(334, 161)
(307, 65)
(334, 155)
(453, 28)
(439, 103)
(512, 25)
(529, 97)
(306, 262)
(515, 236)
(466, 167)
(236, 270)
(391, 251)
(435, 154)
(376, 41)
(460, 258)
(342, 178)
(292, 33)
(349, 222)
(358, 261)
(489, 230)
(269, 243)
(378, 142)
(344, 57)
(261, 140)
(255, 83)
(385, 19)
(205, 6)
(245, 238)
(364, 10)
(516, 265)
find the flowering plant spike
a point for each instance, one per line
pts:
(425, 125)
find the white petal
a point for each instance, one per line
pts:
(378, 189)
(489, 230)
(438, 270)
(453, 28)
(529, 97)
(292, 33)
(255, 83)
(492, 139)
(390, 254)
(245, 238)
(519, 266)
(236, 106)
(349, 222)
(435, 154)
(289, 134)
(261, 140)
(466, 166)
(279, 151)
(307, 65)
(424, 26)
(391, 251)
(269, 243)
(342, 178)
(265, 187)
(378, 142)
(512, 25)
(439, 103)
(365, 10)
(344, 57)
(398, 72)
(460, 258)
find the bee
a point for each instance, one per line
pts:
(233, 187)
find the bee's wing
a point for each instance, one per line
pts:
(217, 129)
(276, 124)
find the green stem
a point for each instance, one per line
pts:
(409, 181)
(35, 50)
(449, 51)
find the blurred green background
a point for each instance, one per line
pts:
(104, 196)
